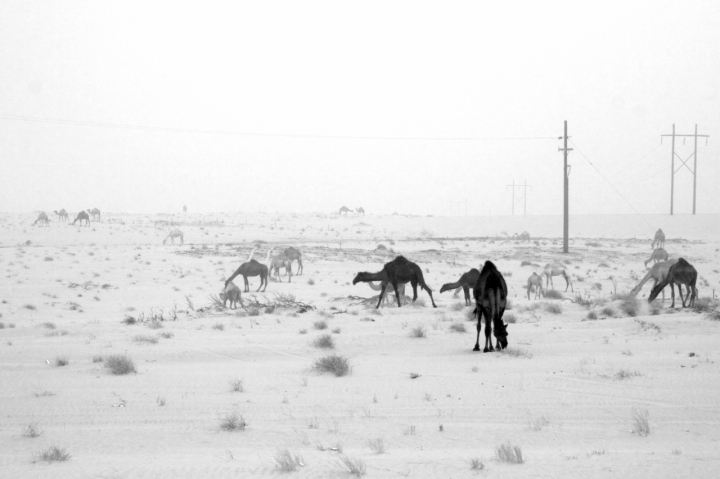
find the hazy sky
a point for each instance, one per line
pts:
(277, 77)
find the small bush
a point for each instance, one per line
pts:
(233, 422)
(288, 461)
(475, 463)
(509, 318)
(418, 332)
(553, 308)
(154, 324)
(336, 331)
(647, 325)
(320, 325)
(237, 385)
(624, 374)
(53, 454)
(608, 311)
(119, 364)
(553, 294)
(30, 307)
(630, 306)
(509, 453)
(48, 325)
(334, 364)
(641, 425)
(538, 422)
(219, 326)
(311, 282)
(32, 430)
(129, 320)
(458, 328)
(525, 263)
(62, 361)
(253, 312)
(592, 315)
(325, 341)
(144, 338)
(457, 306)
(97, 358)
(167, 334)
(354, 466)
(377, 445)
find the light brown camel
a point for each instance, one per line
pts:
(397, 271)
(659, 241)
(42, 219)
(294, 255)
(657, 255)
(95, 214)
(491, 300)
(62, 215)
(232, 293)
(280, 261)
(466, 281)
(82, 216)
(360, 211)
(556, 269)
(681, 273)
(536, 281)
(658, 272)
(345, 210)
(385, 300)
(175, 234)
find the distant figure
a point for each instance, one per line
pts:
(345, 210)
(94, 214)
(185, 209)
(175, 234)
(82, 216)
(360, 211)
(42, 219)
(659, 240)
(62, 215)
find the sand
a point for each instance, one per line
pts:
(565, 391)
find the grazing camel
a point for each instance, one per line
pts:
(379, 287)
(525, 236)
(680, 273)
(536, 281)
(397, 271)
(294, 255)
(657, 255)
(345, 210)
(466, 281)
(231, 292)
(42, 219)
(62, 215)
(556, 269)
(94, 213)
(360, 211)
(659, 240)
(82, 216)
(175, 234)
(252, 268)
(281, 261)
(658, 272)
(491, 299)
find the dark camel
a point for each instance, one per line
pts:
(42, 219)
(466, 281)
(379, 287)
(656, 273)
(251, 268)
(681, 273)
(62, 215)
(82, 216)
(657, 255)
(294, 255)
(659, 241)
(397, 271)
(491, 299)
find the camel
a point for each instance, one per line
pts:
(466, 281)
(659, 239)
(658, 272)
(231, 292)
(657, 255)
(345, 210)
(680, 273)
(491, 299)
(82, 216)
(536, 281)
(94, 213)
(294, 255)
(281, 261)
(525, 236)
(62, 215)
(556, 269)
(42, 219)
(360, 211)
(252, 268)
(175, 234)
(379, 287)
(397, 271)
(185, 209)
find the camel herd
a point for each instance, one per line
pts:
(62, 215)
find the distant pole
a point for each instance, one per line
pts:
(522, 198)
(566, 217)
(672, 172)
(695, 169)
(525, 199)
(685, 164)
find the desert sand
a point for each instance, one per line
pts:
(417, 402)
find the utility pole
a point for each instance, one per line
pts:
(566, 174)
(684, 163)
(523, 198)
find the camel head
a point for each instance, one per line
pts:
(501, 334)
(361, 277)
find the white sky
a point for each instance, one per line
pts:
(621, 73)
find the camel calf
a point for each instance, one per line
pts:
(535, 280)
(658, 255)
(231, 292)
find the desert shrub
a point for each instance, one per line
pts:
(219, 326)
(144, 338)
(253, 311)
(129, 320)
(167, 334)
(154, 324)
(354, 466)
(97, 358)
(553, 294)
(119, 364)
(509, 318)
(233, 422)
(377, 445)
(334, 364)
(32, 430)
(553, 308)
(704, 305)
(509, 453)
(625, 373)
(592, 315)
(325, 341)
(647, 325)
(640, 421)
(538, 422)
(603, 265)
(237, 385)
(288, 461)
(457, 306)
(525, 263)
(62, 361)
(476, 464)
(630, 306)
(418, 332)
(336, 331)
(53, 454)
(311, 282)
(458, 328)
(48, 325)
(320, 325)
(30, 307)
(608, 311)
(303, 331)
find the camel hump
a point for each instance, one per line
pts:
(401, 258)
(489, 266)
(682, 261)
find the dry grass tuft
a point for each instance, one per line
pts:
(377, 445)
(624, 374)
(52, 454)
(325, 341)
(320, 325)
(334, 364)
(237, 385)
(630, 306)
(144, 338)
(233, 422)
(509, 453)
(354, 465)
(32, 430)
(641, 424)
(418, 332)
(119, 364)
(553, 308)
(476, 464)
(553, 294)
(538, 422)
(62, 361)
(288, 461)
(458, 328)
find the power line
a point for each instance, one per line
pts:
(258, 134)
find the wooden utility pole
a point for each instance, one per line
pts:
(566, 174)
(684, 163)
(523, 198)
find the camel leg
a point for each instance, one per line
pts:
(382, 294)
(479, 325)
(425, 287)
(672, 290)
(680, 290)
(488, 332)
(300, 267)
(568, 281)
(263, 279)
(397, 294)
(414, 287)
(466, 290)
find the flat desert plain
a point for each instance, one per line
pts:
(590, 386)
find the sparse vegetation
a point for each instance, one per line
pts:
(97, 358)
(640, 420)
(237, 385)
(648, 325)
(219, 326)
(608, 311)
(592, 315)
(630, 306)
(32, 430)
(288, 461)
(233, 421)
(53, 454)
(553, 308)
(144, 338)
(377, 445)
(167, 334)
(553, 294)
(509, 453)
(334, 364)
(538, 422)
(320, 325)
(475, 463)
(354, 466)
(418, 332)
(624, 374)
(324, 341)
(458, 328)
(61, 361)
(119, 364)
